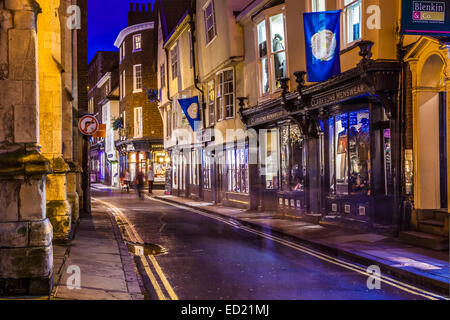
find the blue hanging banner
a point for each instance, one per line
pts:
(322, 43)
(191, 109)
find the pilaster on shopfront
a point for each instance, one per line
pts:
(334, 145)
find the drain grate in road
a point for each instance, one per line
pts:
(145, 249)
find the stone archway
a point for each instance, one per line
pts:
(430, 167)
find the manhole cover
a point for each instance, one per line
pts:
(145, 249)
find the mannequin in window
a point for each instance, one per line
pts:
(278, 59)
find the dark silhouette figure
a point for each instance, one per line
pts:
(140, 185)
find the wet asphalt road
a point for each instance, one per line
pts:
(211, 260)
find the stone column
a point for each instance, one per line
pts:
(69, 104)
(51, 73)
(26, 255)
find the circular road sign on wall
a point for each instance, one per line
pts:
(88, 125)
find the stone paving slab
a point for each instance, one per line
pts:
(107, 272)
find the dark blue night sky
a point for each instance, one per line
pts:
(105, 20)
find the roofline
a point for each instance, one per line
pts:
(131, 29)
(178, 28)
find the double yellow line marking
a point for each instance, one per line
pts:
(322, 256)
(136, 238)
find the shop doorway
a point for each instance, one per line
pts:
(432, 167)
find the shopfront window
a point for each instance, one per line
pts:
(293, 157)
(270, 163)
(207, 163)
(237, 163)
(350, 152)
(195, 159)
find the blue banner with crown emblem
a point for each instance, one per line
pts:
(191, 109)
(322, 43)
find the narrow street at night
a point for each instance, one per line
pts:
(201, 157)
(212, 258)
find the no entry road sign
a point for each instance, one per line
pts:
(88, 125)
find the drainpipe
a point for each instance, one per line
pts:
(194, 68)
(167, 75)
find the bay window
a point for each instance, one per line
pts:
(271, 52)
(352, 11)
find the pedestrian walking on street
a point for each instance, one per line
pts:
(127, 180)
(140, 184)
(151, 179)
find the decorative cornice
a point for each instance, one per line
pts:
(132, 29)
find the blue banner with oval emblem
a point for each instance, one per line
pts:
(322, 43)
(191, 109)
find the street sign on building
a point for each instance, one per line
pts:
(88, 125)
(101, 132)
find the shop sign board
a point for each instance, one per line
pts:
(428, 18)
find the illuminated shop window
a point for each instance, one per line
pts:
(350, 149)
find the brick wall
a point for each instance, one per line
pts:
(152, 121)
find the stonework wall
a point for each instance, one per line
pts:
(25, 232)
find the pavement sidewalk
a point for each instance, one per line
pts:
(107, 270)
(424, 267)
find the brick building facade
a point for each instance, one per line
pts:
(102, 78)
(141, 138)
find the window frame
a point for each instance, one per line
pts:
(138, 125)
(314, 5)
(214, 25)
(136, 78)
(162, 75)
(174, 62)
(135, 48)
(211, 88)
(124, 89)
(345, 23)
(265, 17)
(221, 113)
